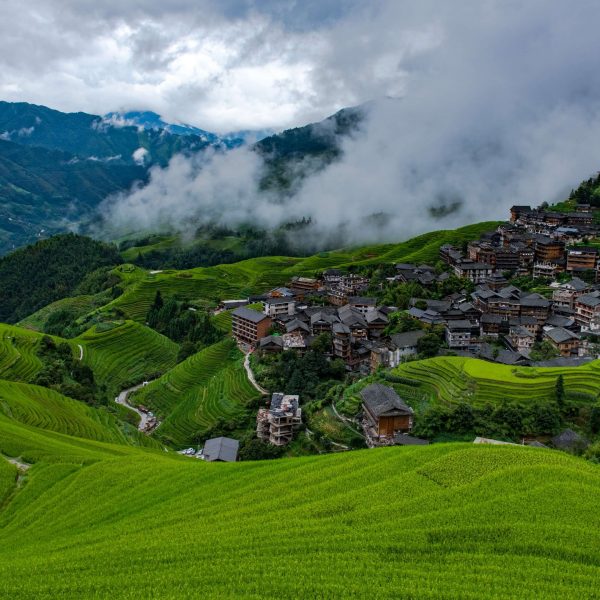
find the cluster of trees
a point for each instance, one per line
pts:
(506, 420)
(61, 372)
(174, 319)
(588, 192)
(255, 242)
(35, 276)
(399, 294)
(306, 374)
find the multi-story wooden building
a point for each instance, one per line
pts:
(582, 259)
(249, 326)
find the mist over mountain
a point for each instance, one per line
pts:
(56, 168)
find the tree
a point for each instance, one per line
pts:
(560, 391)
(543, 351)
(429, 345)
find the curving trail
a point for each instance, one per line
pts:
(147, 423)
(251, 375)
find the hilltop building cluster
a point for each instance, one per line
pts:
(495, 320)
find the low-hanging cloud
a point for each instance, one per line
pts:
(495, 103)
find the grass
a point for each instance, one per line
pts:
(18, 358)
(193, 396)
(124, 353)
(259, 274)
(446, 521)
(46, 409)
(451, 379)
(77, 305)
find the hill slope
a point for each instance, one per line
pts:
(448, 521)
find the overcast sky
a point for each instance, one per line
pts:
(496, 101)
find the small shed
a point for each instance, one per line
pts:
(221, 449)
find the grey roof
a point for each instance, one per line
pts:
(297, 324)
(382, 400)
(271, 339)
(405, 266)
(577, 284)
(591, 300)
(569, 440)
(287, 300)
(249, 314)
(341, 328)
(324, 317)
(489, 318)
(221, 448)
(560, 321)
(362, 300)
(459, 324)
(401, 439)
(408, 339)
(522, 332)
(535, 300)
(375, 315)
(560, 335)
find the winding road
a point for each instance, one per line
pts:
(144, 417)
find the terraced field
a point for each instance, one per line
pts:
(453, 379)
(78, 305)
(448, 521)
(191, 397)
(260, 274)
(46, 409)
(18, 359)
(122, 354)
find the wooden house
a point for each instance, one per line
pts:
(385, 413)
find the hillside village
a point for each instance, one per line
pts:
(526, 293)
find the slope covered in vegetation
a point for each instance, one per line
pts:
(453, 379)
(260, 274)
(47, 271)
(209, 386)
(452, 521)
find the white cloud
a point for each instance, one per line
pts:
(139, 156)
(498, 105)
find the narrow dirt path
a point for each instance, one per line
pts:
(345, 420)
(251, 375)
(80, 352)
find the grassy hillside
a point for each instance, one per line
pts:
(193, 396)
(447, 521)
(125, 353)
(259, 274)
(43, 408)
(18, 358)
(454, 379)
(35, 276)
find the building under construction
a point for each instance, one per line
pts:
(276, 422)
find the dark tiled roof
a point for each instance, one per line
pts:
(250, 315)
(561, 335)
(221, 448)
(408, 339)
(381, 399)
(401, 439)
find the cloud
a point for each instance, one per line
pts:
(139, 156)
(494, 103)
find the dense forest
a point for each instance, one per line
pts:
(588, 192)
(32, 277)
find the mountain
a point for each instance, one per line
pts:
(92, 137)
(294, 154)
(56, 168)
